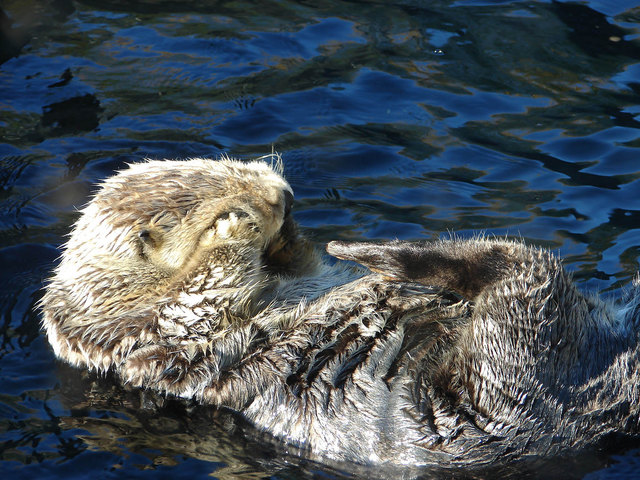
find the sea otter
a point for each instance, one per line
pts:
(190, 278)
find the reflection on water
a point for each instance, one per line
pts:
(398, 120)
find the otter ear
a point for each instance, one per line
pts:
(150, 238)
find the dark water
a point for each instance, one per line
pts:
(399, 119)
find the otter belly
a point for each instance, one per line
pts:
(366, 389)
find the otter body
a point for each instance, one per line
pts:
(190, 279)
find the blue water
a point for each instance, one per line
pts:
(405, 119)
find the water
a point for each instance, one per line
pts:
(406, 119)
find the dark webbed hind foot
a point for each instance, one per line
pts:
(464, 267)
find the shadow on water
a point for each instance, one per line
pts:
(397, 119)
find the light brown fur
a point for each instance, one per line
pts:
(190, 279)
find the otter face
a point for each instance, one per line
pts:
(179, 214)
(163, 223)
(169, 251)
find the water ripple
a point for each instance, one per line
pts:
(395, 120)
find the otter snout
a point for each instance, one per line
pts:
(288, 202)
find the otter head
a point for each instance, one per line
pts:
(179, 241)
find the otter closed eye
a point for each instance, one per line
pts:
(190, 278)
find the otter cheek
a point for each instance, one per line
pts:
(208, 238)
(273, 222)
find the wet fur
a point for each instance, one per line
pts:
(190, 279)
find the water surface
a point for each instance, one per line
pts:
(404, 119)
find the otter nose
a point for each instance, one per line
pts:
(288, 202)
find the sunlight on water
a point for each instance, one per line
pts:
(406, 120)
